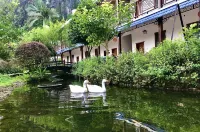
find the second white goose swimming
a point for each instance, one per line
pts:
(96, 88)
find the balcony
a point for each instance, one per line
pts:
(168, 1)
(146, 6)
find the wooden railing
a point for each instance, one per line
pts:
(57, 63)
(168, 1)
(145, 6)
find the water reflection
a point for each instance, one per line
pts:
(33, 109)
(139, 126)
(79, 100)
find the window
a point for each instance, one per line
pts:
(157, 37)
(67, 58)
(140, 46)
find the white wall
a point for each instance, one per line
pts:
(65, 56)
(188, 17)
(111, 45)
(126, 43)
(77, 53)
(148, 39)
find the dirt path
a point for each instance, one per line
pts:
(6, 91)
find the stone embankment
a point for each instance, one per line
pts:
(6, 91)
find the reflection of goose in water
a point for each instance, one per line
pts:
(82, 97)
(87, 99)
(95, 96)
(137, 124)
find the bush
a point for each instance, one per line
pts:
(3, 66)
(38, 75)
(4, 52)
(89, 68)
(32, 54)
(171, 64)
(9, 67)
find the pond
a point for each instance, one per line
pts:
(30, 109)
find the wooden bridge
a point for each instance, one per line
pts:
(59, 65)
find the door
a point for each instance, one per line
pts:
(77, 59)
(96, 52)
(157, 37)
(140, 46)
(114, 52)
(72, 59)
(86, 54)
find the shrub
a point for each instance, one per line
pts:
(3, 66)
(174, 63)
(38, 75)
(32, 54)
(9, 67)
(89, 68)
(4, 52)
(171, 64)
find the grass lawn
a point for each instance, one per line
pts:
(6, 80)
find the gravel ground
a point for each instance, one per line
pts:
(6, 91)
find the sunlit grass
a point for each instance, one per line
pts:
(6, 80)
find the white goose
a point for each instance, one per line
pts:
(79, 89)
(97, 89)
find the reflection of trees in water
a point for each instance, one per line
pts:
(160, 108)
(35, 110)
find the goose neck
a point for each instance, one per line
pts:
(103, 85)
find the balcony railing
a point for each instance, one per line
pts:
(168, 1)
(144, 6)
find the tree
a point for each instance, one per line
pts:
(101, 22)
(96, 24)
(32, 54)
(52, 35)
(8, 31)
(40, 13)
(76, 28)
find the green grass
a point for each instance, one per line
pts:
(6, 80)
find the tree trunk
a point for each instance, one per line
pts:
(89, 49)
(106, 46)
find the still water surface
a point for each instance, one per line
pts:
(31, 109)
